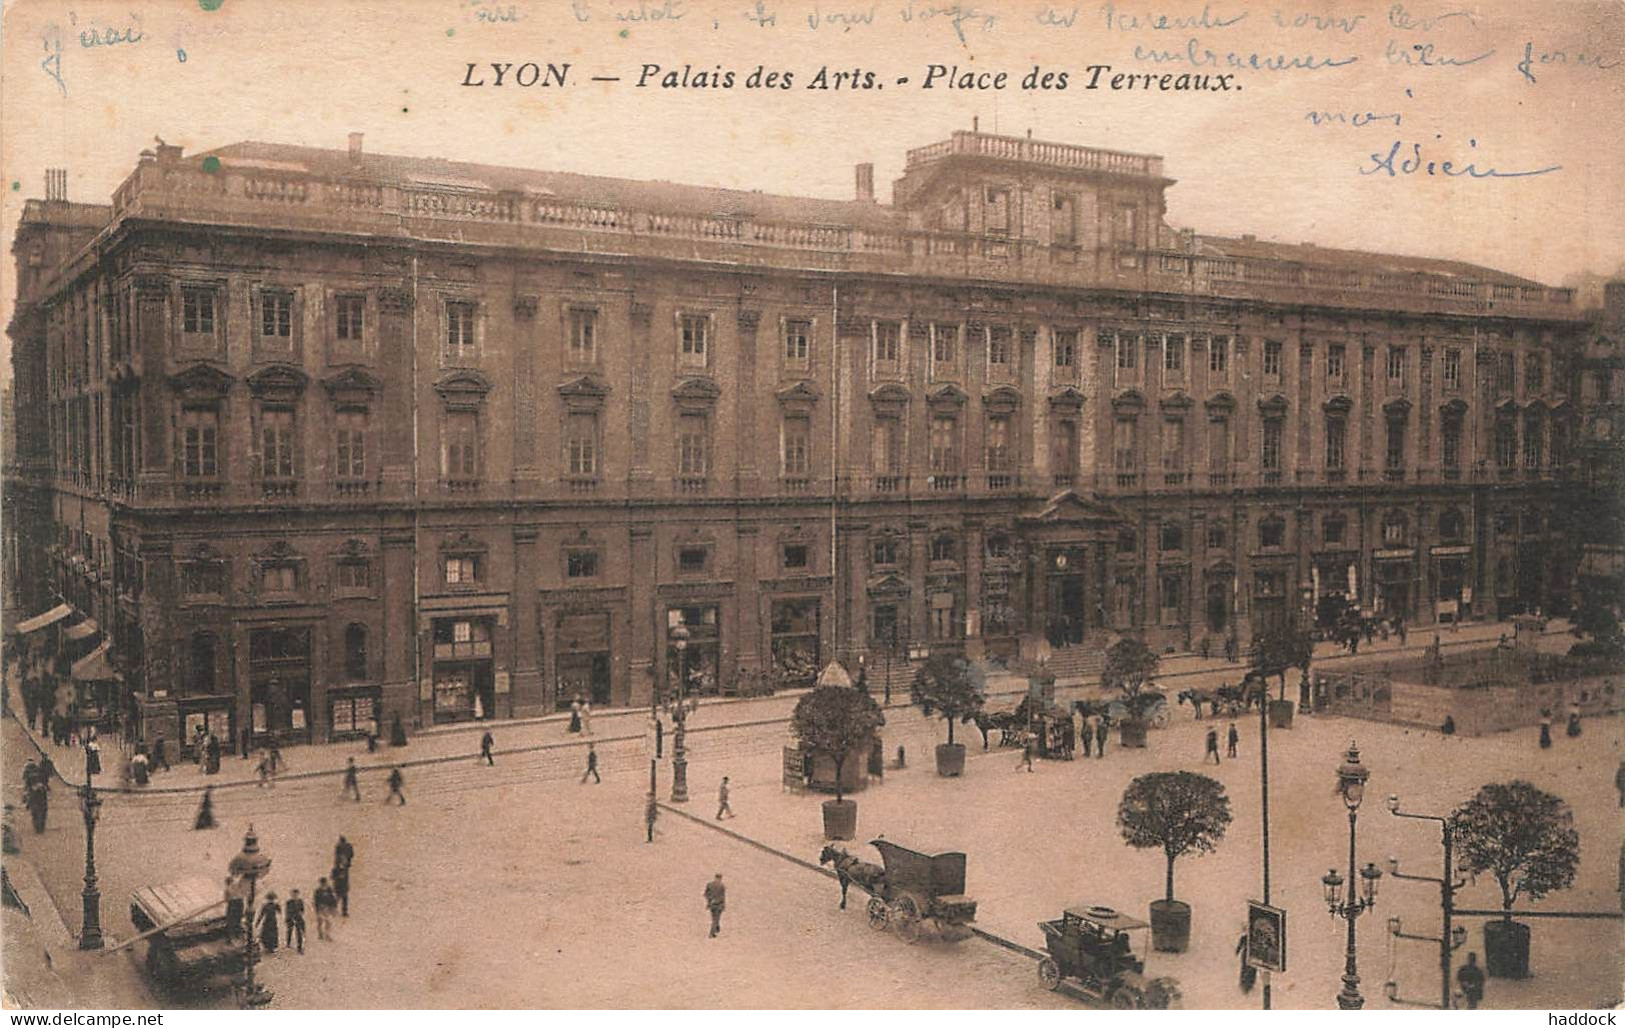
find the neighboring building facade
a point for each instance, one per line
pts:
(321, 437)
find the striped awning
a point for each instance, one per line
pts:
(83, 630)
(94, 667)
(39, 621)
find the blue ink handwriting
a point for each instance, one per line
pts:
(959, 14)
(1198, 56)
(667, 10)
(845, 19)
(1358, 119)
(1422, 55)
(1414, 164)
(1318, 22)
(762, 16)
(1400, 18)
(1526, 66)
(52, 65)
(1162, 22)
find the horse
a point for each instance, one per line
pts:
(1197, 697)
(849, 869)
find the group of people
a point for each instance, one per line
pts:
(37, 790)
(580, 716)
(331, 899)
(1573, 730)
(397, 782)
(1233, 739)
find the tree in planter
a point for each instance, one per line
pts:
(1281, 650)
(835, 721)
(1177, 812)
(948, 685)
(1131, 665)
(1596, 618)
(1525, 838)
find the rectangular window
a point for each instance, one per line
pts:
(1127, 343)
(200, 433)
(460, 455)
(1332, 530)
(276, 443)
(1063, 222)
(1173, 445)
(581, 444)
(1272, 445)
(998, 211)
(581, 564)
(279, 578)
(1450, 373)
(1534, 436)
(944, 448)
(462, 570)
(691, 560)
(1173, 597)
(888, 342)
(1506, 444)
(999, 457)
(350, 428)
(1066, 349)
(944, 340)
(693, 446)
(203, 578)
(888, 446)
(276, 314)
(1125, 226)
(795, 556)
(1272, 359)
(998, 345)
(1505, 370)
(884, 552)
(797, 344)
(459, 330)
(349, 315)
(1125, 445)
(583, 336)
(1396, 366)
(1396, 444)
(1336, 354)
(797, 447)
(355, 575)
(1218, 445)
(1451, 442)
(1066, 448)
(197, 310)
(1534, 371)
(695, 329)
(1218, 356)
(1336, 443)
(1173, 357)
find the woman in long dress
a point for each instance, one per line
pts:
(269, 915)
(575, 714)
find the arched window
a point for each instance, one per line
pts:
(1451, 528)
(201, 677)
(355, 652)
(1271, 533)
(1395, 528)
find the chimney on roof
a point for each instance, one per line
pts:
(355, 146)
(866, 182)
(975, 123)
(56, 184)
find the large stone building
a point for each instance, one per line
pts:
(316, 435)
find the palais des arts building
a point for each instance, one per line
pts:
(315, 437)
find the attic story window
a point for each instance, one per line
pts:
(197, 310)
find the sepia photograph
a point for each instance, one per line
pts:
(732, 505)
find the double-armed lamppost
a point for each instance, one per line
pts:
(679, 713)
(253, 865)
(1450, 938)
(1351, 778)
(90, 931)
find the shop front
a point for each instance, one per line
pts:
(1271, 601)
(1394, 572)
(795, 625)
(464, 679)
(1452, 592)
(352, 712)
(1333, 576)
(208, 715)
(279, 676)
(703, 651)
(583, 660)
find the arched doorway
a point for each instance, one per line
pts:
(1218, 608)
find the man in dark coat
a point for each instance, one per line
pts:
(651, 812)
(39, 803)
(1471, 980)
(716, 899)
(245, 740)
(486, 742)
(294, 910)
(352, 780)
(326, 902)
(343, 853)
(592, 767)
(236, 904)
(1100, 738)
(396, 781)
(341, 887)
(1212, 746)
(1235, 737)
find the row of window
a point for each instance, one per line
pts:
(203, 650)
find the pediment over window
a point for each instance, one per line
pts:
(282, 382)
(1536, 407)
(463, 390)
(1066, 399)
(203, 551)
(1220, 403)
(696, 395)
(201, 382)
(352, 387)
(1398, 407)
(584, 394)
(1273, 406)
(949, 396)
(1506, 408)
(890, 398)
(1003, 400)
(1069, 508)
(889, 584)
(461, 542)
(1129, 401)
(1454, 409)
(800, 398)
(1179, 401)
(353, 549)
(280, 551)
(1338, 404)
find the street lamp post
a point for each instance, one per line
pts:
(253, 865)
(1351, 778)
(90, 932)
(679, 755)
(1450, 937)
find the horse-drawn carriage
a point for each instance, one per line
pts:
(1089, 946)
(911, 893)
(1227, 700)
(1154, 704)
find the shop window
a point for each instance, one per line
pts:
(795, 640)
(354, 715)
(355, 653)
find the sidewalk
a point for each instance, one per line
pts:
(460, 741)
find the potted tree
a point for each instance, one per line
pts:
(837, 721)
(1526, 839)
(1276, 653)
(1131, 665)
(949, 685)
(1177, 812)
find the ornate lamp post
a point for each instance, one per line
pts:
(90, 932)
(679, 755)
(1351, 778)
(1450, 937)
(253, 865)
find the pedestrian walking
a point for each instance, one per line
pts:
(343, 853)
(341, 887)
(212, 755)
(1249, 973)
(1470, 978)
(575, 715)
(722, 800)
(586, 717)
(1545, 730)
(246, 740)
(198, 734)
(93, 753)
(38, 802)
(236, 904)
(326, 902)
(277, 764)
(1619, 783)
(396, 781)
(1026, 757)
(352, 780)
(160, 754)
(1100, 738)
(716, 899)
(138, 768)
(1574, 721)
(47, 771)
(294, 910)
(1399, 626)
(1234, 738)
(1212, 746)
(263, 771)
(651, 811)
(270, 914)
(1086, 735)
(205, 811)
(592, 767)
(1230, 649)
(486, 742)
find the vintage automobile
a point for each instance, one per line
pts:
(912, 893)
(1089, 947)
(184, 924)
